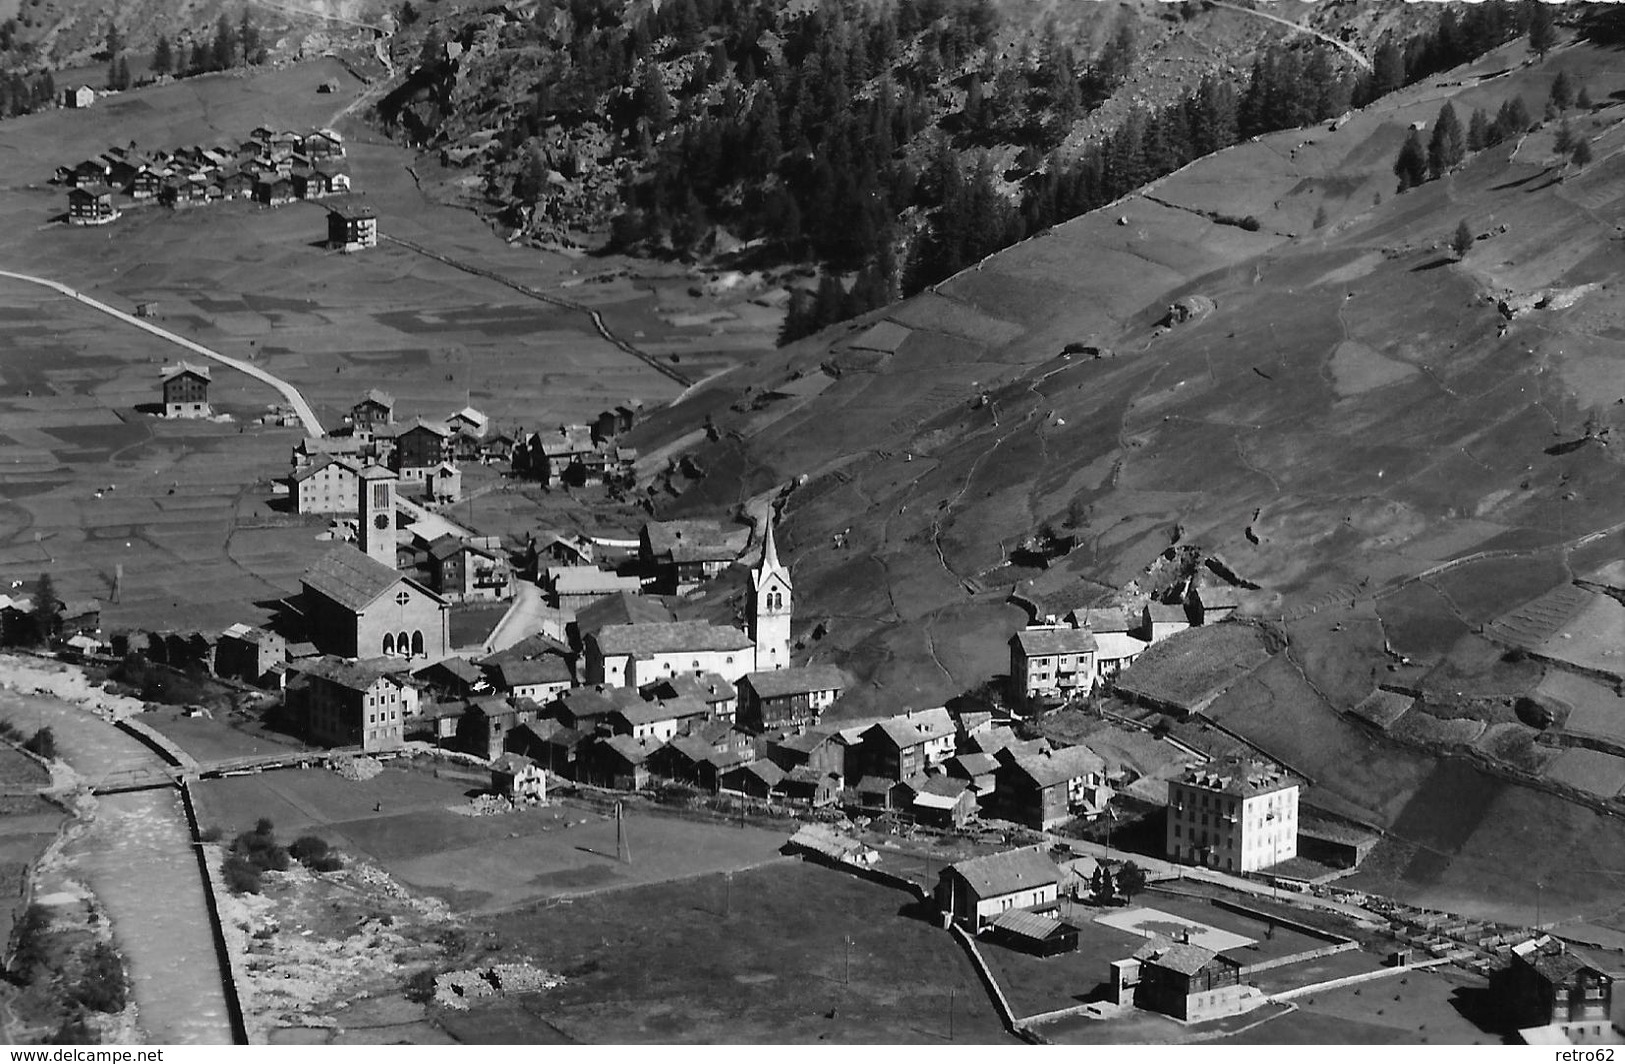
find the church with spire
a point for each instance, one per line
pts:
(768, 621)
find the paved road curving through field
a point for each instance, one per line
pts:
(313, 425)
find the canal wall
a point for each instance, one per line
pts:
(228, 963)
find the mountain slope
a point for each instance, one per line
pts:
(1350, 411)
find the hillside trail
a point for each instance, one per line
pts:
(1342, 46)
(307, 415)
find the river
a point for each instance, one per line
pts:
(137, 859)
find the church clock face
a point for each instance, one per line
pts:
(381, 522)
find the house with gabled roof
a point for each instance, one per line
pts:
(328, 485)
(943, 802)
(252, 655)
(186, 390)
(461, 570)
(1042, 790)
(618, 761)
(621, 608)
(893, 749)
(355, 606)
(682, 554)
(518, 778)
(660, 721)
(792, 697)
(808, 787)
(815, 748)
(574, 587)
(754, 779)
(375, 408)
(1558, 986)
(454, 678)
(1183, 980)
(541, 678)
(719, 696)
(977, 769)
(976, 891)
(420, 447)
(550, 744)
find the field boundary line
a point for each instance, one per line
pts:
(557, 301)
(313, 424)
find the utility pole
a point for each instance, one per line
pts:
(623, 848)
(846, 977)
(728, 895)
(950, 1014)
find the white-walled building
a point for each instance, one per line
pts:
(1234, 814)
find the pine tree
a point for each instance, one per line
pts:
(1462, 240)
(1562, 91)
(163, 59)
(123, 68)
(114, 43)
(655, 100)
(1412, 164)
(47, 609)
(1542, 27)
(1448, 145)
(248, 40)
(1388, 70)
(1478, 131)
(1581, 153)
(225, 44)
(1583, 101)
(1563, 141)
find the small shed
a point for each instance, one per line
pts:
(1035, 933)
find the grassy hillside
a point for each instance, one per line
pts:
(1352, 410)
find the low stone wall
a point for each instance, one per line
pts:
(228, 965)
(1006, 1016)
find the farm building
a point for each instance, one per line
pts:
(574, 587)
(356, 606)
(893, 749)
(630, 655)
(542, 678)
(815, 748)
(469, 420)
(455, 678)
(443, 483)
(822, 841)
(1159, 621)
(349, 703)
(1209, 600)
(1550, 983)
(351, 228)
(548, 743)
(788, 698)
(486, 726)
(977, 769)
(252, 655)
(91, 204)
(808, 787)
(517, 777)
(1042, 790)
(943, 802)
(1052, 662)
(1044, 936)
(1237, 814)
(186, 390)
(976, 891)
(719, 696)
(78, 96)
(144, 184)
(754, 779)
(683, 553)
(562, 549)
(273, 189)
(1183, 980)
(619, 761)
(584, 708)
(691, 759)
(660, 721)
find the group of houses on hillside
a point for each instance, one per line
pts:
(271, 167)
(1059, 657)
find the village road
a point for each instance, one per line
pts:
(307, 416)
(523, 618)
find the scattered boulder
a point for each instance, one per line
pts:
(1188, 309)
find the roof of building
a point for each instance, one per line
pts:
(353, 580)
(1007, 872)
(1186, 958)
(589, 580)
(355, 675)
(552, 732)
(549, 669)
(620, 609)
(1117, 646)
(512, 764)
(419, 424)
(460, 668)
(1243, 777)
(1100, 619)
(766, 771)
(586, 702)
(695, 541)
(975, 764)
(707, 687)
(934, 723)
(805, 742)
(943, 787)
(1163, 613)
(183, 367)
(900, 732)
(653, 712)
(379, 397)
(634, 751)
(1215, 593)
(534, 645)
(670, 637)
(1043, 642)
(324, 462)
(1029, 925)
(800, 680)
(1059, 766)
(876, 785)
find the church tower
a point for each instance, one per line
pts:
(375, 527)
(770, 607)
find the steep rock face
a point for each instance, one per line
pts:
(1353, 410)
